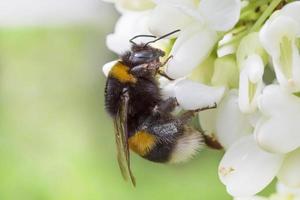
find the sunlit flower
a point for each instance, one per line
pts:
(278, 129)
(246, 169)
(280, 37)
(132, 5)
(227, 123)
(129, 25)
(251, 70)
(199, 29)
(282, 193)
(255, 160)
(251, 83)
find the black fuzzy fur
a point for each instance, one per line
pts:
(146, 109)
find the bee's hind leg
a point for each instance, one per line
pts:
(188, 115)
(210, 141)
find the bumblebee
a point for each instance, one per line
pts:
(143, 121)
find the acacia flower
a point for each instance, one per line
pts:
(132, 5)
(282, 193)
(199, 27)
(280, 37)
(252, 162)
(244, 56)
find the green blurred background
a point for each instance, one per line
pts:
(56, 141)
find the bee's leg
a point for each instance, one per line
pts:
(188, 115)
(141, 70)
(166, 106)
(166, 61)
(210, 141)
(161, 72)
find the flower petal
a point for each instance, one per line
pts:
(226, 50)
(221, 15)
(204, 72)
(191, 48)
(129, 25)
(192, 95)
(166, 18)
(278, 37)
(275, 101)
(251, 198)
(292, 10)
(289, 173)
(274, 30)
(168, 87)
(245, 169)
(134, 5)
(249, 45)
(279, 134)
(107, 67)
(230, 129)
(251, 83)
(226, 72)
(207, 120)
(283, 189)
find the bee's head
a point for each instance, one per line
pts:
(142, 53)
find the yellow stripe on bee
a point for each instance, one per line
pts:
(142, 142)
(121, 73)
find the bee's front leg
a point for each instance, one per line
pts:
(161, 72)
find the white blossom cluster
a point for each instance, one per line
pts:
(243, 55)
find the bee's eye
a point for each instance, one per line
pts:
(143, 54)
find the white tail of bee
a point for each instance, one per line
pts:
(187, 146)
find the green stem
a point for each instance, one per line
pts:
(258, 23)
(254, 4)
(265, 15)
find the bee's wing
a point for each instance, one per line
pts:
(121, 132)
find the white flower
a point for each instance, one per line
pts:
(252, 162)
(251, 198)
(280, 37)
(257, 125)
(231, 124)
(226, 72)
(278, 129)
(192, 95)
(251, 60)
(251, 83)
(289, 173)
(246, 169)
(282, 193)
(283, 189)
(199, 22)
(227, 123)
(132, 5)
(129, 25)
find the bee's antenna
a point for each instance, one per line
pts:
(137, 36)
(164, 36)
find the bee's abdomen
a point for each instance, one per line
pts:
(174, 148)
(161, 152)
(150, 146)
(187, 145)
